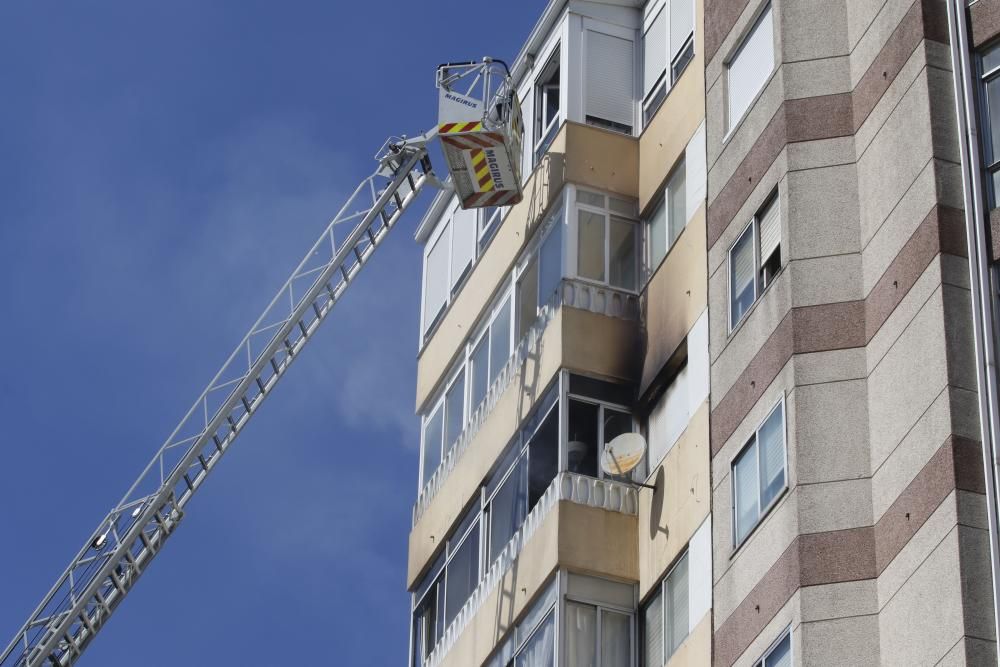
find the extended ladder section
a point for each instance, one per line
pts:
(123, 545)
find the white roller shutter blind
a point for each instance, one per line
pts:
(463, 243)
(751, 67)
(770, 230)
(677, 605)
(436, 279)
(681, 24)
(654, 52)
(741, 261)
(653, 630)
(668, 418)
(609, 78)
(746, 492)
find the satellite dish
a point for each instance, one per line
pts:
(623, 454)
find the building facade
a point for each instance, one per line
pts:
(744, 236)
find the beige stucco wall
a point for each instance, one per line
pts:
(675, 297)
(696, 650)
(669, 518)
(564, 540)
(580, 154)
(575, 339)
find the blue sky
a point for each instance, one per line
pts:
(163, 166)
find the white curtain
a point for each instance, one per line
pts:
(540, 649)
(581, 635)
(616, 644)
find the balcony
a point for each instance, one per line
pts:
(572, 293)
(548, 538)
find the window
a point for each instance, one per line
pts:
(750, 68)
(989, 96)
(668, 218)
(759, 473)
(532, 642)
(591, 426)
(607, 240)
(451, 255)
(668, 417)
(608, 80)
(754, 260)
(539, 275)
(489, 221)
(490, 352)
(596, 636)
(780, 654)
(547, 116)
(664, 44)
(666, 621)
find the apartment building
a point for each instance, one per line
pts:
(742, 236)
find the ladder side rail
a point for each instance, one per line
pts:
(153, 504)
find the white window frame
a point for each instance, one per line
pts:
(759, 285)
(754, 441)
(662, 586)
(732, 123)
(617, 32)
(544, 133)
(650, 102)
(552, 221)
(991, 162)
(600, 609)
(602, 406)
(439, 403)
(664, 202)
(763, 660)
(574, 232)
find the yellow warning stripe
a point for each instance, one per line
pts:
(452, 128)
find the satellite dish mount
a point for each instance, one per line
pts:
(622, 455)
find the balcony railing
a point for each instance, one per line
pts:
(572, 293)
(599, 493)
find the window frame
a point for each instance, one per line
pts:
(991, 163)
(787, 632)
(651, 101)
(602, 405)
(662, 200)
(760, 286)
(544, 133)
(754, 441)
(732, 123)
(439, 404)
(600, 609)
(607, 212)
(661, 593)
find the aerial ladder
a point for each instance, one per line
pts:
(479, 123)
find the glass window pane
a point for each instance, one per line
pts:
(745, 484)
(436, 279)
(677, 605)
(780, 655)
(550, 257)
(527, 298)
(741, 276)
(627, 207)
(678, 202)
(658, 235)
(590, 250)
(543, 458)
(995, 180)
(993, 120)
(500, 340)
(771, 440)
(623, 266)
(454, 407)
(480, 373)
(462, 576)
(590, 198)
(652, 624)
(539, 651)
(507, 510)
(581, 635)
(539, 611)
(582, 450)
(616, 640)
(991, 59)
(432, 444)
